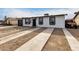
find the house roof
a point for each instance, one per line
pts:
(12, 18)
(70, 19)
(77, 13)
(46, 16)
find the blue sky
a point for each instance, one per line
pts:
(27, 12)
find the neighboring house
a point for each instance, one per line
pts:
(11, 21)
(57, 21)
(1, 22)
(76, 18)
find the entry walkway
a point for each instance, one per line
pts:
(16, 35)
(74, 44)
(38, 42)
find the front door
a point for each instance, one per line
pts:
(34, 22)
(20, 22)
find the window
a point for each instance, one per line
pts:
(27, 21)
(41, 21)
(52, 20)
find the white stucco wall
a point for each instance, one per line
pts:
(59, 22)
(27, 24)
(45, 22)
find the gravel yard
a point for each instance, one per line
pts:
(7, 32)
(16, 43)
(3, 30)
(8, 29)
(57, 42)
(75, 33)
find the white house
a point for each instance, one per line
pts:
(57, 21)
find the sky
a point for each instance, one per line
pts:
(28, 12)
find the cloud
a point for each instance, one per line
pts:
(28, 12)
(18, 13)
(69, 11)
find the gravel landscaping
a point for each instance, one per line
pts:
(7, 32)
(16, 43)
(7, 29)
(57, 42)
(75, 33)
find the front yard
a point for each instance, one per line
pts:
(57, 40)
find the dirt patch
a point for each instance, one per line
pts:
(75, 33)
(57, 42)
(16, 43)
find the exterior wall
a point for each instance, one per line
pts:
(77, 20)
(1, 22)
(59, 22)
(12, 21)
(45, 22)
(27, 24)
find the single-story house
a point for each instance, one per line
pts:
(57, 21)
(11, 21)
(1, 22)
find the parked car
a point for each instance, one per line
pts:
(70, 24)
